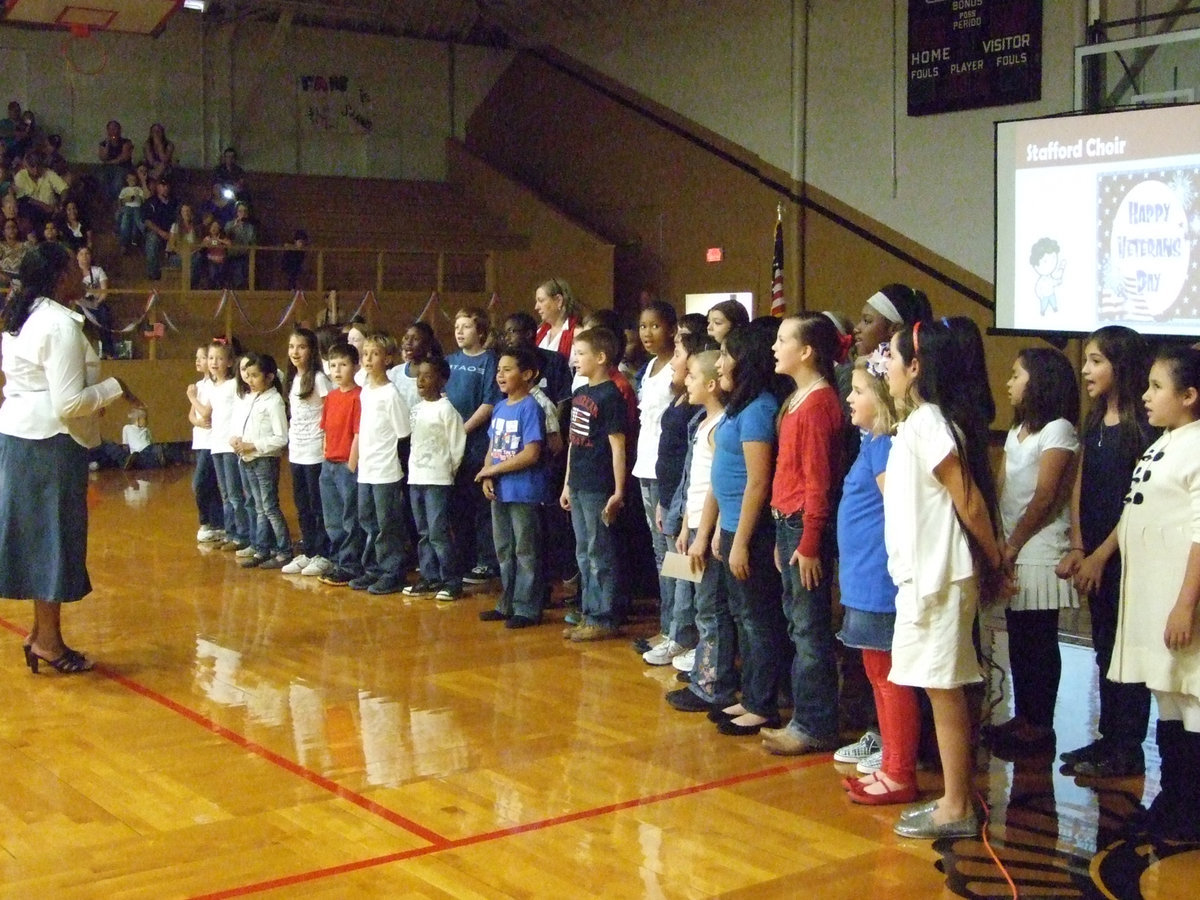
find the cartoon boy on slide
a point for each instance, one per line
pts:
(1045, 259)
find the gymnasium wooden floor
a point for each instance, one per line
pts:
(254, 734)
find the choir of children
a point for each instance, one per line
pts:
(745, 470)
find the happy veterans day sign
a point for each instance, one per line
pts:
(966, 54)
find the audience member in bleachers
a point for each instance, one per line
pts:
(242, 235)
(116, 158)
(11, 127)
(159, 215)
(74, 231)
(55, 161)
(6, 176)
(129, 211)
(230, 175)
(158, 152)
(51, 234)
(220, 206)
(26, 135)
(185, 242)
(94, 305)
(12, 251)
(38, 191)
(216, 251)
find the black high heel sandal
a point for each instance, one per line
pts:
(71, 662)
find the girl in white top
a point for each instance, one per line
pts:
(656, 328)
(713, 679)
(222, 395)
(1159, 537)
(1040, 455)
(308, 387)
(260, 432)
(937, 500)
(204, 479)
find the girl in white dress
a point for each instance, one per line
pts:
(1040, 456)
(938, 498)
(1159, 539)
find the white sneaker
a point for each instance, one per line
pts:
(244, 552)
(317, 565)
(296, 565)
(685, 661)
(872, 763)
(866, 745)
(663, 652)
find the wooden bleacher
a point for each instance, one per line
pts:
(364, 233)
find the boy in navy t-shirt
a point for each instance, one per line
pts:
(595, 487)
(514, 479)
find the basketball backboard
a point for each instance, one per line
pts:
(130, 16)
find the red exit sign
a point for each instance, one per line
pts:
(714, 255)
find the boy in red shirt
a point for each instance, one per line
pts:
(339, 484)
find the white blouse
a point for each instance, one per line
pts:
(51, 378)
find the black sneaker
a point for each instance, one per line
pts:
(362, 582)
(520, 622)
(493, 615)
(481, 575)
(336, 577)
(425, 587)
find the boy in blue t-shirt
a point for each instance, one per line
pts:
(595, 487)
(514, 479)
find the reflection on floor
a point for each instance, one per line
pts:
(252, 733)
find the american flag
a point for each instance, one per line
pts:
(777, 304)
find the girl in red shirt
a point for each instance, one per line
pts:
(808, 472)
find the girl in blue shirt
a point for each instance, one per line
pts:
(867, 590)
(742, 534)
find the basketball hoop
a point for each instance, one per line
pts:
(85, 63)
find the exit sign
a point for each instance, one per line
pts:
(714, 254)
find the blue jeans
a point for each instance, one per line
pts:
(472, 513)
(381, 515)
(518, 535)
(238, 526)
(207, 491)
(435, 552)
(682, 627)
(658, 540)
(129, 224)
(154, 251)
(594, 553)
(339, 509)
(714, 675)
(272, 537)
(758, 615)
(810, 624)
(257, 536)
(306, 491)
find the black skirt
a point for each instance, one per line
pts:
(43, 519)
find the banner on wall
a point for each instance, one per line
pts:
(334, 103)
(967, 54)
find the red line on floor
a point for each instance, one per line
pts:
(457, 843)
(271, 756)
(436, 842)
